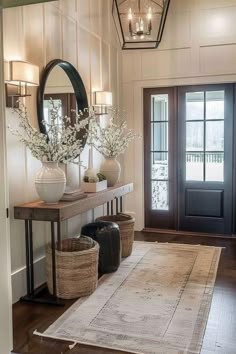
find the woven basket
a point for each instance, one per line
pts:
(126, 225)
(76, 267)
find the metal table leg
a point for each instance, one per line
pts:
(40, 295)
(121, 204)
(59, 236)
(31, 257)
(54, 281)
(27, 248)
(117, 205)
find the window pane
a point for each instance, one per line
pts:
(215, 167)
(195, 106)
(160, 195)
(159, 165)
(215, 105)
(194, 166)
(159, 107)
(194, 136)
(160, 136)
(215, 136)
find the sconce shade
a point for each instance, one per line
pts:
(22, 72)
(103, 98)
(140, 23)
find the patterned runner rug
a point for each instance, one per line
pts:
(157, 302)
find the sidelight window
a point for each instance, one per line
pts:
(205, 112)
(159, 152)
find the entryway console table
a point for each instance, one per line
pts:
(56, 213)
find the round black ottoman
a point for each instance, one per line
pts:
(107, 234)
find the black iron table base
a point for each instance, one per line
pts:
(41, 295)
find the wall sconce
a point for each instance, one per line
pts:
(18, 76)
(102, 99)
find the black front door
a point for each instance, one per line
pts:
(205, 160)
(188, 148)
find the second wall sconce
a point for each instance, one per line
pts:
(18, 76)
(102, 99)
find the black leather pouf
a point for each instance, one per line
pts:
(107, 234)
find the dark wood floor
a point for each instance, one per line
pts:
(220, 335)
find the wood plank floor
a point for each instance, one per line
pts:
(220, 335)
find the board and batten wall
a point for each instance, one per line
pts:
(198, 47)
(83, 33)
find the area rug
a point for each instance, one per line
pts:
(156, 303)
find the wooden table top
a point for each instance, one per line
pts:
(40, 211)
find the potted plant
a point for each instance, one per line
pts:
(110, 141)
(59, 145)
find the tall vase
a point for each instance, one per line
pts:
(50, 182)
(72, 173)
(90, 172)
(111, 169)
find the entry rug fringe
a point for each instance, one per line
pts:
(157, 302)
(74, 343)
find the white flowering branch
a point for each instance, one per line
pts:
(61, 143)
(112, 140)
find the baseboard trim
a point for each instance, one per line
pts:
(18, 278)
(187, 233)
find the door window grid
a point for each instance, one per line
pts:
(205, 154)
(159, 152)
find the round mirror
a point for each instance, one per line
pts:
(61, 82)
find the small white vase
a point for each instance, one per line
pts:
(72, 173)
(50, 182)
(90, 172)
(111, 169)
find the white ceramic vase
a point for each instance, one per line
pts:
(50, 182)
(111, 169)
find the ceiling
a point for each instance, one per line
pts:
(13, 3)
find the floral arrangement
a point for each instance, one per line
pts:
(112, 140)
(61, 143)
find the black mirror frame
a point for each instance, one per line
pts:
(78, 86)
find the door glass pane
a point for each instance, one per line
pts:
(160, 165)
(215, 136)
(215, 105)
(215, 167)
(159, 108)
(194, 136)
(195, 106)
(194, 166)
(160, 136)
(160, 195)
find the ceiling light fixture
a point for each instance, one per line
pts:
(140, 23)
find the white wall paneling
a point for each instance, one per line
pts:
(199, 46)
(82, 33)
(105, 67)
(53, 32)
(166, 63)
(5, 262)
(33, 18)
(69, 47)
(14, 34)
